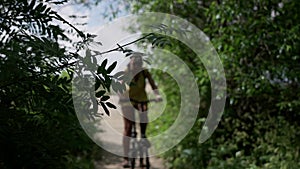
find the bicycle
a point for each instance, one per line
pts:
(139, 148)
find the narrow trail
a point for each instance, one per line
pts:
(111, 161)
(111, 137)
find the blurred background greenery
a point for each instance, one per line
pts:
(258, 43)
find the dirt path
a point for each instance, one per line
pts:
(112, 161)
(111, 136)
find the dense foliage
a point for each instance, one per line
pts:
(38, 125)
(258, 43)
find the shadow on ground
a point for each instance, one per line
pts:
(107, 160)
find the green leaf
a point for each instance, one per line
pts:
(100, 70)
(104, 63)
(97, 84)
(128, 54)
(111, 67)
(118, 74)
(105, 108)
(104, 98)
(127, 51)
(100, 93)
(38, 7)
(87, 60)
(110, 105)
(114, 86)
(32, 4)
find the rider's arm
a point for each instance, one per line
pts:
(152, 84)
(150, 79)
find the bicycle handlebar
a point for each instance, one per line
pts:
(132, 100)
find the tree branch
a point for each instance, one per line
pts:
(72, 63)
(127, 44)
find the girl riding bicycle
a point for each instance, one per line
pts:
(136, 98)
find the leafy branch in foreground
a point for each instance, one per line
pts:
(39, 128)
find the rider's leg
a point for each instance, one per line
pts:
(128, 117)
(143, 113)
(143, 118)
